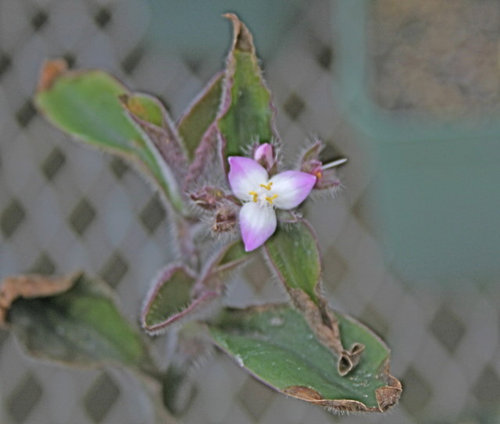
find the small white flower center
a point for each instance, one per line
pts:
(263, 195)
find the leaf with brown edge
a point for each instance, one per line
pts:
(31, 286)
(247, 113)
(277, 346)
(51, 70)
(86, 105)
(293, 254)
(201, 114)
(171, 298)
(75, 320)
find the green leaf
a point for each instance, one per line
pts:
(202, 112)
(276, 345)
(247, 113)
(146, 108)
(293, 253)
(171, 298)
(161, 138)
(177, 294)
(232, 256)
(80, 326)
(86, 104)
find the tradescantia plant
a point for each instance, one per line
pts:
(217, 170)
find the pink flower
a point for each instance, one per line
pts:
(251, 184)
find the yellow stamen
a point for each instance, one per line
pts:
(271, 198)
(267, 186)
(254, 195)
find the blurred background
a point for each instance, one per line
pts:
(408, 90)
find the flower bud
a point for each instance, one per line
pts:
(326, 175)
(208, 197)
(264, 154)
(225, 218)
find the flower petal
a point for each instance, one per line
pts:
(292, 187)
(245, 175)
(257, 224)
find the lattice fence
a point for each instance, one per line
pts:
(63, 208)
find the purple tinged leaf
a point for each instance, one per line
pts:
(246, 112)
(231, 257)
(151, 117)
(152, 120)
(201, 114)
(207, 167)
(170, 299)
(177, 294)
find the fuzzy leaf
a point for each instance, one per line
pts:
(161, 138)
(246, 111)
(86, 104)
(207, 166)
(233, 256)
(276, 345)
(170, 298)
(201, 114)
(294, 255)
(79, 326)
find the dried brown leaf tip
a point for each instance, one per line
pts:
(325, 326)
(132, 104)
(30, 286)
(51, 70)
(387, 397)
(242, 38)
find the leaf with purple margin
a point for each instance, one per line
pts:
(232, 256)
(247, 114)
(201, 114)
(86, 105)
(178, 294)
(152, 120)
(207, 166)
(170, 298)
